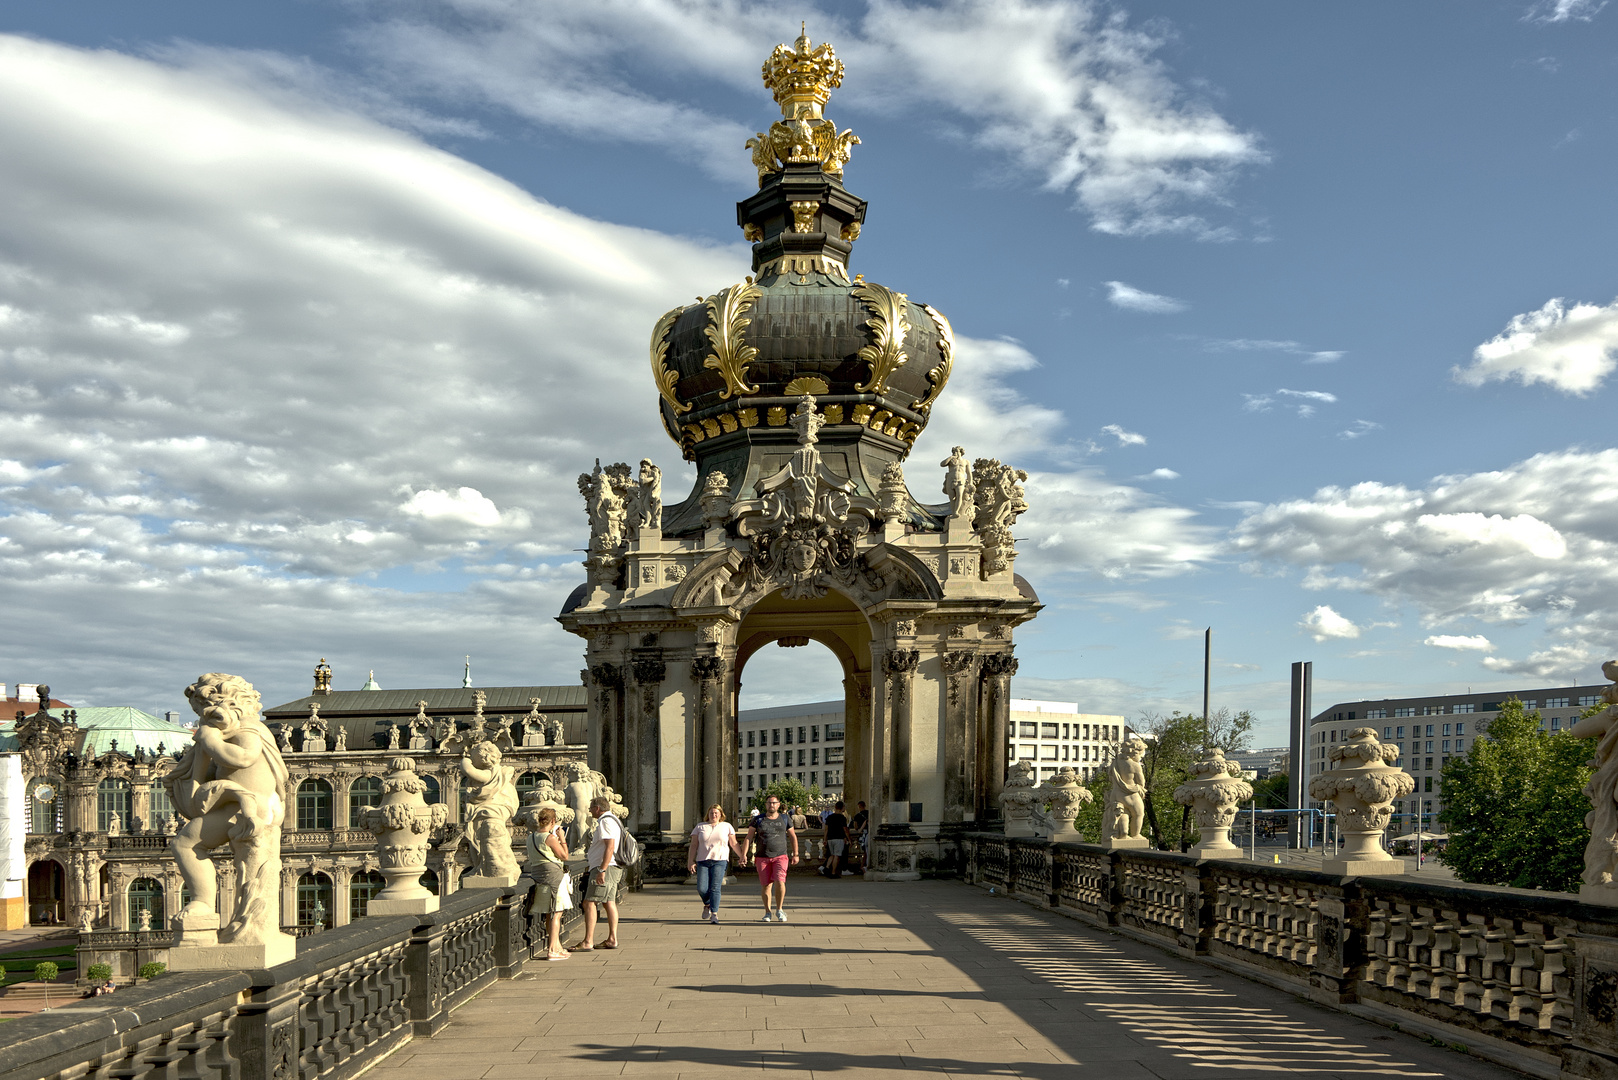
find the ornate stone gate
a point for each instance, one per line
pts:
(798, 395)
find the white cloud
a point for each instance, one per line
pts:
(1572, 349)
(1132, 299)
(1310, 356)
(1064, 90)
(1310, 395)
(1162, 474)
(1532, 541)
(1303, 403)
(284, 382)
(1555, 11)
(468, 506)
(1325, 624)
(1474, 642)
(1360, 427)
(1125, 438)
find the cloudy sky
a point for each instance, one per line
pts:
(1301, 317)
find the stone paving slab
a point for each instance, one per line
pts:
(896, 981)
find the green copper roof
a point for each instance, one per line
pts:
(99, 727)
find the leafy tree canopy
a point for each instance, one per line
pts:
(1514, 808)
(790, 791)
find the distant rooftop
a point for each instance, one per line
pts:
(784, 712)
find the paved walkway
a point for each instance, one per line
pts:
(876, 981)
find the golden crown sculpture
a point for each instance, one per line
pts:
(802, 79)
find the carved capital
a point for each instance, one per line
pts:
(649, 669)
(607, 675)
(901, 661)
(958, 662)
(704, 668)
(999, 664)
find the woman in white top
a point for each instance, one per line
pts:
(708, 859)
(553, 888)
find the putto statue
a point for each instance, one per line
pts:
(649, 498)
(958, 482)
(1362, 783)
(1213, 795)
(491, 803)
(998, 499)
(1601, 852)
(228, 783)
(1126, 797)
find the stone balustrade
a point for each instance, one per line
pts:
(1527, 979)
(349, 997)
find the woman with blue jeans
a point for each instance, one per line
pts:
(708, 858)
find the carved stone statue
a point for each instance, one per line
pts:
(314, 731)
(649, 497)
(998, 501)
(1213, 795)
(605, 504)
(1017, 799)
(143, 920)
(491, 802)
(553, 731)
(228, 783)
(1126, 797)
(1362, 783)
(341, 741)
(403, 824)
(1600, 884)
(958, 482)
(284, 738)
(87, 919)
(715, 500)
(393, 736)
(893, 497)
(421, 728)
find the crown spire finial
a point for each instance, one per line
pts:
(802, 77)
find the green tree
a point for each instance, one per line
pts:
(1174, 743)
(1514, 808)
(1271, 792)
(789, 790)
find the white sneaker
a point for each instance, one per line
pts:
(780, 915)
(767, 917)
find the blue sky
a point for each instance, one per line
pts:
(1301, 316)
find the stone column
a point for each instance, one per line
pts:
(289, 896)
(900, 668)
(340, 801)
(856, 739)
(959, 717)
(118, 901)
(641, 789)
(994, 730)
(341, 878)
(708, 672)
(607, 717)
(879, 750)
(81, 807)
(140, 806)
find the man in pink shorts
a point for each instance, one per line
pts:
(776, 843)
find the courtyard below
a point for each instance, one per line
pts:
(874, 981)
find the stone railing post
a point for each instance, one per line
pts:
(1052, 893)
(1197, 930)
(425, 964)
(1341, 929)
(265, 1031)
(511, 930)
(1112, 888)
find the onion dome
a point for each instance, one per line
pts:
(732, 367)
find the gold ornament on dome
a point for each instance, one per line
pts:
(802, 79)
(808, 384)
(803, 216)
(662, 374)
(727, 322)
(938, 375)
(889, 324)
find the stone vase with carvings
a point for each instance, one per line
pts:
(1062, 796)
(1362, 784)
(1017, 800)
(1214, 795)
(403, 826)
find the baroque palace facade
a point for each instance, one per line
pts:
(100, 819)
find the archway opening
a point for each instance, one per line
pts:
(802, 695)
(314, 900)
(47, 885)
(145, 904)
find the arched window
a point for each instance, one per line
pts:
(429, 881)
(431, 795)
(365, 792)
(528, 781)
(314, 897)
(363, 886)
(112, 802)
(45, 806)
(314, 805)
(145, 894)
(160, 806)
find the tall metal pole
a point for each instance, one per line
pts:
(1207, 660)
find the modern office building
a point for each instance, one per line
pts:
(1052, 734)
(1428, 731)
(804, 742)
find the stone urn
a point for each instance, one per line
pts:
(403, 825)
(1214, 794)
(1362, 784)
(1063, 796)
(1017, 799)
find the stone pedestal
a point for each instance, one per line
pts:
(1126, 843)
(478, 881)
(197, 947)
(1347, 867)
(1599, 894)
(415, 905)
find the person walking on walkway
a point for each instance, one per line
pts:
(606, 877)
(859, 829)
(709, 859)
(553, 889)
(836, 841)
(772, 843)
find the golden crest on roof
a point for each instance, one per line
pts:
(802, 78)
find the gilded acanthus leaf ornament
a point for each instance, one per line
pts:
(662, 374)
(889, 324)
(938, 375)
(802, 78)
(727, 321)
